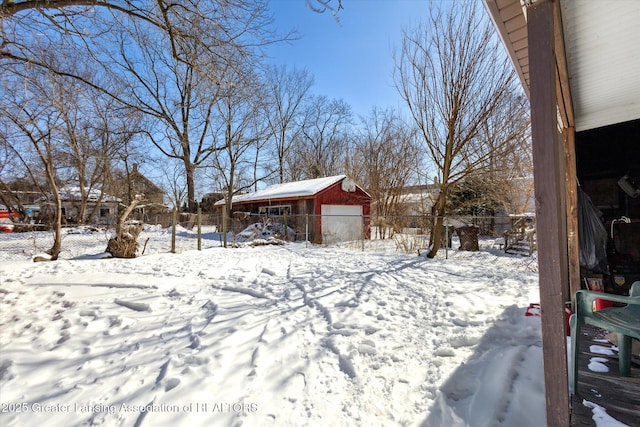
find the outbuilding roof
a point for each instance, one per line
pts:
(288, 190)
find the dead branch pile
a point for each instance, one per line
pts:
(125, 244)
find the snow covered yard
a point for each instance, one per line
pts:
(271, 335)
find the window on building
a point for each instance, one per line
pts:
(275, 210)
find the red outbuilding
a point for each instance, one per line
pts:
(322, 210)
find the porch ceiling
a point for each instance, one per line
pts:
(602, 56)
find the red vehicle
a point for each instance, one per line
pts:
(6, 225)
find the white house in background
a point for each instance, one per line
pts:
(101, 208)
(419, 199)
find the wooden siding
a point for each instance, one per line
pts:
(335, 195)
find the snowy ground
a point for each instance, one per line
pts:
(286, 335)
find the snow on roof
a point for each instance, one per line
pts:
(308, 187)
(417, 198)
(73, 193)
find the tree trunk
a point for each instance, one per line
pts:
(57, 227)
(191, 187)
(436, 230)
(226, 211)
(125, 244)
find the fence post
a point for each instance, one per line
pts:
(173, 230)
(363, 230)
(286, 229)
(224, 225)
(306, 230)
(199, 221)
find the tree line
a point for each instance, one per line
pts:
(88, 88)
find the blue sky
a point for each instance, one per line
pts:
(350, 59)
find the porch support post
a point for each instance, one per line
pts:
(569, 136)
(548, 161)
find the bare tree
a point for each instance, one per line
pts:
(385, 160)
(181, 79)
(288, 90)
(85, 21)
(173, 175)
(11, 193)
(509, 172)
(242, 131)
(9, 166)
(324, 139)
(20, 177)
(115, 133)
(453, 75)
(177, 97)
(126, 130)
(30, 26)
(322, 6)
(72, 132)
(36, 126)
(51, 8)
(505, 181)
(10, 8)
(171, 56)
(94, 130)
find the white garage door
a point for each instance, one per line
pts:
(341, 223)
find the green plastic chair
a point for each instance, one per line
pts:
(624, 321)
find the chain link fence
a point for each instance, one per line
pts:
(183, 232)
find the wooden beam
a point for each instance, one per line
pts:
(551, 216)
(563, 175)
(565, 103)
(563, 212)
(571, 188)
(565, 108)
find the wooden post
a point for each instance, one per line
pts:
(286, 228)
(173, 230)
(550, 208)
(199, 221)
(572, 212)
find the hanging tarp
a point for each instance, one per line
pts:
(592, 236)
